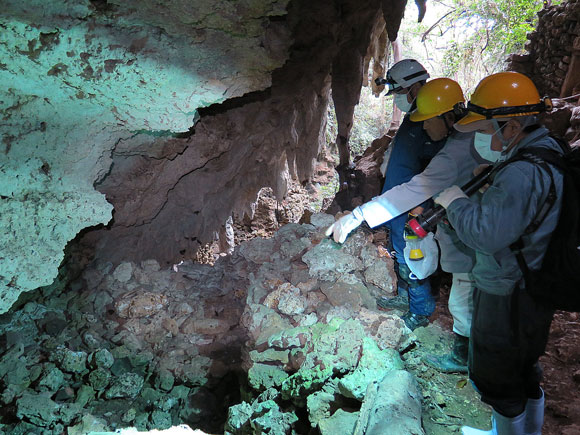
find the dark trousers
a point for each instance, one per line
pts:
(508, 335)
(421, 301)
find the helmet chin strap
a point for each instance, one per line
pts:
(506, 143)
(449, 127)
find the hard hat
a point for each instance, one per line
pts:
(405, 73)
(503, 95)
(438, 96)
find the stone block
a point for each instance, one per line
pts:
(340, 423)
(39, 409)
(392, 405)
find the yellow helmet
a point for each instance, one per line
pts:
(504, 95)
(436, 97)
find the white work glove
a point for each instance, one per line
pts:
(342, 227)
(449, 195)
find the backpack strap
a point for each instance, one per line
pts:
(541, 157)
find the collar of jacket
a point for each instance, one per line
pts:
(530, 139)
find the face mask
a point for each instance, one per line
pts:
(482, 144)
(402, 103)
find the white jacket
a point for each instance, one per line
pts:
(454, 164)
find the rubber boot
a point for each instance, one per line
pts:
(453, 362)
(500, 425)
(534, 416)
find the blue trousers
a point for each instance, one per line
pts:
(421, 301)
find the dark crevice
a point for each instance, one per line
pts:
(234, 103)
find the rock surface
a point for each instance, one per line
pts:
(173, 114)
(151, 347)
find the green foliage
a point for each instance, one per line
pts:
(469, 39)
(479, 35)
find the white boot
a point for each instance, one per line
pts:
(534, 416)
(500, 425)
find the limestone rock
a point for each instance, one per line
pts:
(128, 385)
(52, 379)
(80, 58)
(89, 424)
(319, 403)
(348, 291)
(102, 358)
(238, 418)
(381, 274)
(258, 250)
(340, 423)
(99, 379)
(321, 220)
(161, 419)
(291, 301)
(388, 330)
(327, 260)
(372, 367)
(165, 380)
(262, 376)
(39, 409)
(140, 304)
(271, 419)
(84, 395)
(392, 405)
(74, 362)
(123, 272)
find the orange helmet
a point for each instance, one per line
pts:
(436, 97)
(504, 95)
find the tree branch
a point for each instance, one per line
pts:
(437, 22)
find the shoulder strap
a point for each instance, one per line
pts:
(539, 156)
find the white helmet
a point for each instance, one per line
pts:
(403, 74)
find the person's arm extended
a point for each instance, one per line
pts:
(439, 174)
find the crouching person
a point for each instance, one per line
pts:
(509, 329)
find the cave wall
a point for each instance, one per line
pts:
(170, 113)
(552, 60)
(169, 203)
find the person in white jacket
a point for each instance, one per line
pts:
(439, 106)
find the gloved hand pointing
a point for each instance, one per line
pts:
(342, 227)
(449, 195)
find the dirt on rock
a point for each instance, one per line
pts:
(449, 400)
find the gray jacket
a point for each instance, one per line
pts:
(494, 221)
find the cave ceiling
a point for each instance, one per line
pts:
(159, 119)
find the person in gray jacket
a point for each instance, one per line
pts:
(437, 106)
(509, 329)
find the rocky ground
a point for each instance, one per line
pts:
(282, 335)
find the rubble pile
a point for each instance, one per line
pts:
(124, 346)
(284, 332)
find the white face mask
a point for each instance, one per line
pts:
(402, 103)
(482, 144)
